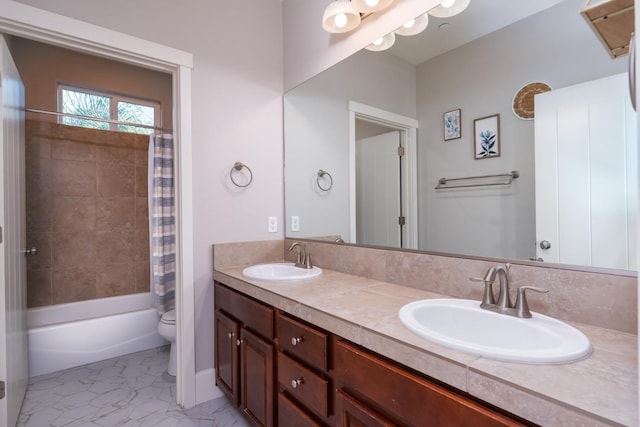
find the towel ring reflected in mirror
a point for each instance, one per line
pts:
(321, 177)
(237, 167)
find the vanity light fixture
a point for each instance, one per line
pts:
(340, 17)
(415, 26)
(449, 8)
(383, 43)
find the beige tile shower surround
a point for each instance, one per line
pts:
(362, 289)
(86, 195)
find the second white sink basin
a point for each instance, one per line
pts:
(280, 271)
(463, 325)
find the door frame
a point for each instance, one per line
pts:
(408, 133)
(37, 24)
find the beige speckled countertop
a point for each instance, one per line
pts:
(601, 390)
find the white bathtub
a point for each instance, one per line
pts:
(67, 335)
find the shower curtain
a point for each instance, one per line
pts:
(162, 230)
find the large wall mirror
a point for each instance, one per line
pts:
(365, 141)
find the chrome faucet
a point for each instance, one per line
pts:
(504, 305)
(303, 257)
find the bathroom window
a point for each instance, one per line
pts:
(107, 106)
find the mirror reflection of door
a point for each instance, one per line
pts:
(378, 186)
(385, 185)
(587, 175)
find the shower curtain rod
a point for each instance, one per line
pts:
(79, 116)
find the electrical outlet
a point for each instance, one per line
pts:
(295, 223)
(273, 224)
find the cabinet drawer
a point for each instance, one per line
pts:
(356, 414)
(290, 415)
(407, 396)
(254, 315)
(305, 385)
(305, 342)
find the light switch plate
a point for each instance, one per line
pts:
(273, 224)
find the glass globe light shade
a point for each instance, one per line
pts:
(368, 6)
(415, 26)
(383, 43)
(449, 8)
(340, 17)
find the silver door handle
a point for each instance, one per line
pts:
(33, 251)
(632, 70)
(545, 244)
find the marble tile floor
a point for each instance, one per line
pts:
(130, 391)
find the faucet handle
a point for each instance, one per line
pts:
(487, 298)
(522, 307)
(299, 253)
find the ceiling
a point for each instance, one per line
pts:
(480, 18)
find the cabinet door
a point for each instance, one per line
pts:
(226, 355)
(355, 414)
(257, 377)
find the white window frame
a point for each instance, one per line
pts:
(113, 105)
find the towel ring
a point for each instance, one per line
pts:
(321, 174)
(238, 166)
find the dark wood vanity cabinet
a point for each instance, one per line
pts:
(283, 371)
(244, 354)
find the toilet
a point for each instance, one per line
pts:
(167, 330)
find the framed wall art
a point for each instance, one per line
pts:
(486, 137)
(452, 121)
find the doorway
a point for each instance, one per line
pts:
(383, 198)
(39, 25)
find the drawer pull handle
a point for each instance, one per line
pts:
(231, 335)
(296, 383)
(296, 340)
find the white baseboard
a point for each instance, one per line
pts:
(206, 388)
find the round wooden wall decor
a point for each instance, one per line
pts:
(523, 100)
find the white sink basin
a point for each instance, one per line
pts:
(463, 325)
(284, 271)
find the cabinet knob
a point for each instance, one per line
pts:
(296, 340)
(239, 342)
(231, 335)
(297, 382)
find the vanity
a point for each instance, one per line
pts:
(331, 350)
(323, 379)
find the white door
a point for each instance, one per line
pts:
(378, 204)
(14, 366)
(586, 175)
